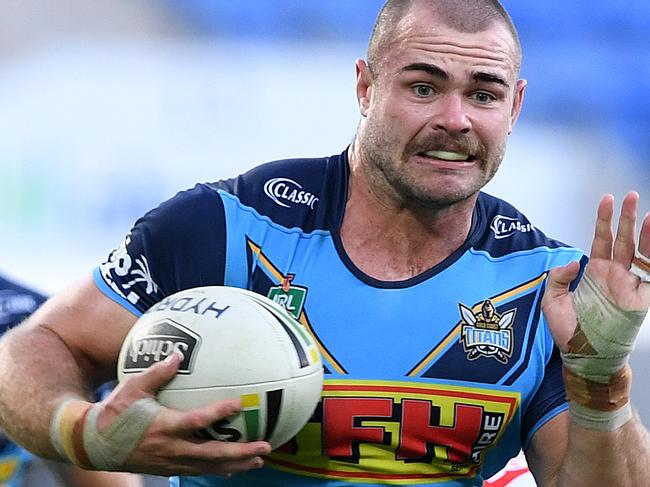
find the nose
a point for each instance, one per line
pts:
(451, 115)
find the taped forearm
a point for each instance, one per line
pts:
(77, 439)
(596, 373)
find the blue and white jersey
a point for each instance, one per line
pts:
(435, 380)
(16, 304)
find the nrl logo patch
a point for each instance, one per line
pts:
(290, 297)
(485, 333)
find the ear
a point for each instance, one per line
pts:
(517, 102)
(364, 86)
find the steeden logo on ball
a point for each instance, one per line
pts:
(159, 341)
(234, 343)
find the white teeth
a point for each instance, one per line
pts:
(447, 156)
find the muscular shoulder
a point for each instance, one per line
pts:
(305, 193)
(309, 193)
(190, 239)
(502, 229)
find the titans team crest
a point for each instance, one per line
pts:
(486, 333)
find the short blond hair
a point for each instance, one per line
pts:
(462, 15)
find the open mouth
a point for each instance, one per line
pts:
(448, 156)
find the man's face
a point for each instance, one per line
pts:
(438, 109)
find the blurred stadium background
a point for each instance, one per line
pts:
(111, 106)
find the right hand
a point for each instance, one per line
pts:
(169, 446)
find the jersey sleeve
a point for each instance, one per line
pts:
(549, 400)
(16, 303)
(179, 245)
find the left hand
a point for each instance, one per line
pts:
(609, 266)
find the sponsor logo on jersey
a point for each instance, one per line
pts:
(157, 342)
(397, 433)
(286, 193)
(190, 304)
(14, 305)
(486, 333)
(505, 226)
(289, 296)
(122, 271)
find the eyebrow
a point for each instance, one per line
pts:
(431, 69)
(437, 72)
(490, 78)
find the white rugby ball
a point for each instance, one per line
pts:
(234, 344)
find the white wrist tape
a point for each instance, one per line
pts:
(75, 436)
(605, 334)
(62, 425)
(596, 373)
(599, 420)
(641, 267)
(109, 449)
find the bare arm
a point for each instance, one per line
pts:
(71, 345)
(87, 478)
(620, 457)
(71, 476)
(564, 454)
(66, 347)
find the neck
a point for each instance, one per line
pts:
(392, 240)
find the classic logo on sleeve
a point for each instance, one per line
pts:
(286, 193)
(506, 226)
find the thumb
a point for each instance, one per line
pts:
(158, 375)
(146, 384)
(560, 278)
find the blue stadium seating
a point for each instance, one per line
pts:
(588, 62)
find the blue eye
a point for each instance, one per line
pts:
(484, 98)
(423, 91)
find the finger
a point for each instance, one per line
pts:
(215, 450)
(184, 465)
(644, 249)
(560, 278)
(176, 456)
(145, 384)
(601, 248)
(225, 469)
(243, 466)
(644, 236)
(200, 418)
(625, 243)
(156, 376)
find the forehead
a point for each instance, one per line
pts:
(421, 37)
